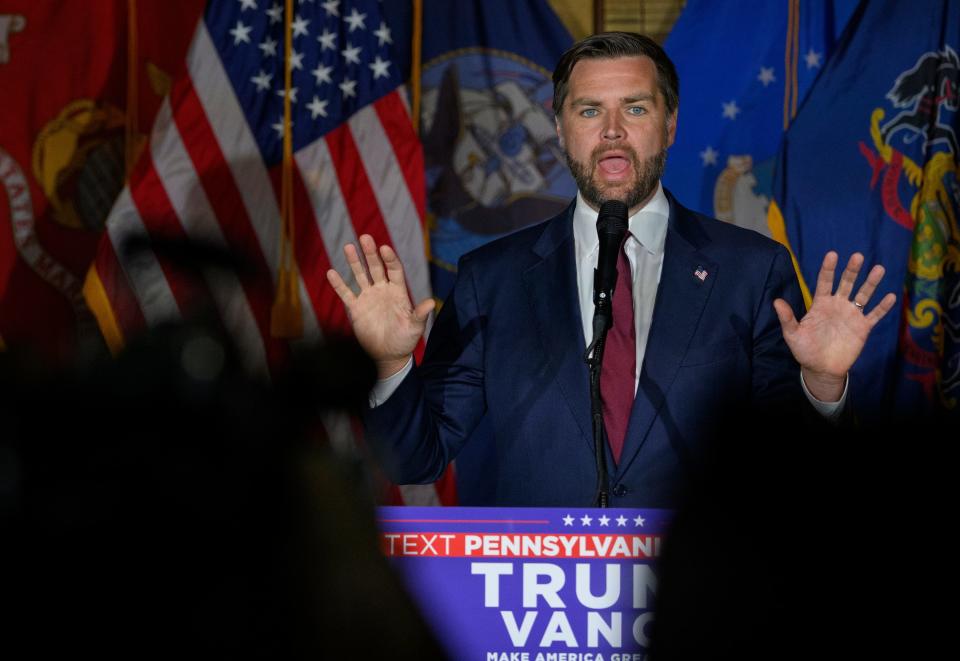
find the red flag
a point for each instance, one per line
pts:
(63, 138)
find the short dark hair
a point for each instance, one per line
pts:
(613, 45)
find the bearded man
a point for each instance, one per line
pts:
(503, 383)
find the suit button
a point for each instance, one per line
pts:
(619, 490)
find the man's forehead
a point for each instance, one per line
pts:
(641, 63)
(596, 74)
(600, 69)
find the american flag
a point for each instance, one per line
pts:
(212, 172)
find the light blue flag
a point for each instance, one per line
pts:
(730, 57)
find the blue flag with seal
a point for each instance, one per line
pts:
(744, 68)
(870, 165)
(493, 162)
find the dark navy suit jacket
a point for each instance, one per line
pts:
(504, 387)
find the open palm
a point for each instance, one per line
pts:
(829, 338)
(385, 322)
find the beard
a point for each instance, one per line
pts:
(647, 174)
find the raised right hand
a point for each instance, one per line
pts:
(384, 321)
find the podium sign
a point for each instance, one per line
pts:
(530, 584)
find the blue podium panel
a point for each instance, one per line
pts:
(533, 584)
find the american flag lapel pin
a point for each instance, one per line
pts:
(701, 273)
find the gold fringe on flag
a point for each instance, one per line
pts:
(778, 231)
(99, 303)
(286, 316)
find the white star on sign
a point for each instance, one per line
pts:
(317, 107)
(585, 520)
(322, 74)
(766, 76)
(241, 33)
(269, 47)
(356, 19)
(379, 68)
(299, 26)
(638, 521)
(812, 58)
(621, 521)
(709, 156)
(327, 40)
(275, 13)
(348, 87)
(568, 520)
(351, 53)
(604, 520)
(331, 7)
(247, 4)
(730, 110)
(262, 80)
(296, 59)
(383, 34)
(293, 94)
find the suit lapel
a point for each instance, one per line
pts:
(551, 286)
(681, 297)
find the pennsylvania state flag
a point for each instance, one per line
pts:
(870, 164)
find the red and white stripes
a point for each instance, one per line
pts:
(203, 178)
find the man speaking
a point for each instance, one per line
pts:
(704, 319)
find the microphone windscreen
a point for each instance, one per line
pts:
(612, 218)
(611, 228)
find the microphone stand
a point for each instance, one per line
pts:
(611, 228)
(594, 360)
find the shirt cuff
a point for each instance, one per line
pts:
(829, 410)
(383, 388)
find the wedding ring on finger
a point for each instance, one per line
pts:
(858, 304)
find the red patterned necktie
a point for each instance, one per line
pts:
(617, 379)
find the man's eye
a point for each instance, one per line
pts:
(590, 112)
(636, 110)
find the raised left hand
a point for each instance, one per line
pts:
(830, 337)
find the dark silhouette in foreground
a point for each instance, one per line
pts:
(822, 542)
(166, 503)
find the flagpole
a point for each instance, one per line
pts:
(286, 317)
(598, 16)
(415, 63)
(790, 60)
(129, 148)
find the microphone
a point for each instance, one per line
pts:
(611, 228)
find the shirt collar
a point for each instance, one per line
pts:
(648, 225)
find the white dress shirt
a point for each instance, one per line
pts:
(644, 248)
